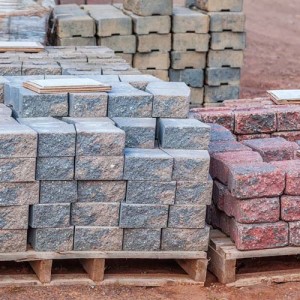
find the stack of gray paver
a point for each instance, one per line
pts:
(49, 219)
(18, 189)
(225, 57)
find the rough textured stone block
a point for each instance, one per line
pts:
(187, 20)
(126, 101)
(220, 162)
(288, 118)
(55, 168)
(273, 149)
(95, 214)
(190, 165)
(218, 195)
(138, 81)
(230, 146)
(99, 168)
(292, 136)
(143, 216)
(225, 58)
(219, 133)
(171, 99)
(55, 138)
(17, 140)
(192, 77)
(99, 139)
(174, 239)
(49, 215)
(189, 59)
(141, 239)
(140, 132)
(17, 169)
(215, 94)
(198, 42)
(147, 8)
(120, 43)
(228, 40)
(58, 191)
(216, 5)
(41, 68)
(255, 121)
(51, 239)
(290, 208)
(13, 241)
(153, 61)
(14, 217)
(150, 192)
(260, 236)
(183, 134)
(187, 216)
(248, 180)
(294, 234)
(219, 76)
(147, 164)
(193, 193)
(11, 68)
(88, 105)
(22, 193)
(101, 191)
(222, 21)
(154, 42)
(292, 175)
(98, 238)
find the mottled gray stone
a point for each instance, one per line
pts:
(11, 68)
(51, 239)
(174, 239)
(189, 59)
(13, 241)
(154, 42)
(5, 111)
(215, 94)
(139, 81)
(49, 215)
(99, 139)
(2, 83)
(191, 77)
(198, 42)
(14, 217)
(143, 216)
(17, 140)
(55, 138)
(228, 40)
(88, 105)
(190, 165)
(222, 21)
(216, 5)
(193, 193)
(150, 192)
(17, 169)
(222, 58)
(126, 101)
(183, 134)
(187, 216)
(40, 68)
(219, 76)
(141, 239)
(55, 105)
(58, 191)
(98, 238)
(55, 168)
(95, 214)
(147, 164)
(171, 99)
(101, 191)
(149, 8)
(99, 168)
(22, 193)
(120, 43)
(140, 132)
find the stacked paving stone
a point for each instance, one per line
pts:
(18, 188)
(225, 56)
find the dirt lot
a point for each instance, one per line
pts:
(272, 61)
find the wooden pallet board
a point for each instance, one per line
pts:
(96, 268)
(223, 257)
(31, 47)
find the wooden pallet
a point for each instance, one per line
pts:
(96, 270)
(223, 257)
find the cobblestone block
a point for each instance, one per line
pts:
(154, 42)
(146, 8)
(189, 59)
(294, 233)
(230, 146)
(218, 194)
(219, 76)
(225, 58)
(13, 241)
(288, 118)
(152, 61)
(228, 40)
(216, 94)
(216, 5)
(219, 133)
(14, 217)
(290, 208)
(120, 43)
(198, 42)
(192, 77)
(222, 21)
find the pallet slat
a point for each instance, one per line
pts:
(42, 269)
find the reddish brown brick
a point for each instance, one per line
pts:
(290, 208)
(220, 162)
(218, 194)
(291, 168)
(260, 236)
(291, 136)
(245, 137)
(258, 210)
(219, 133)
(232, 146)
(288, 118)
(294, 233)
(220, 115)
(273, 149)
(255, 121)
(255, 180)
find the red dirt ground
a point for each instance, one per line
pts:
(272, 60)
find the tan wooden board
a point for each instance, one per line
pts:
(281, 97)
(21, 46)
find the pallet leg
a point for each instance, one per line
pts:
(223, 269)
(196, 268)
(42, 269)
(95, 267)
